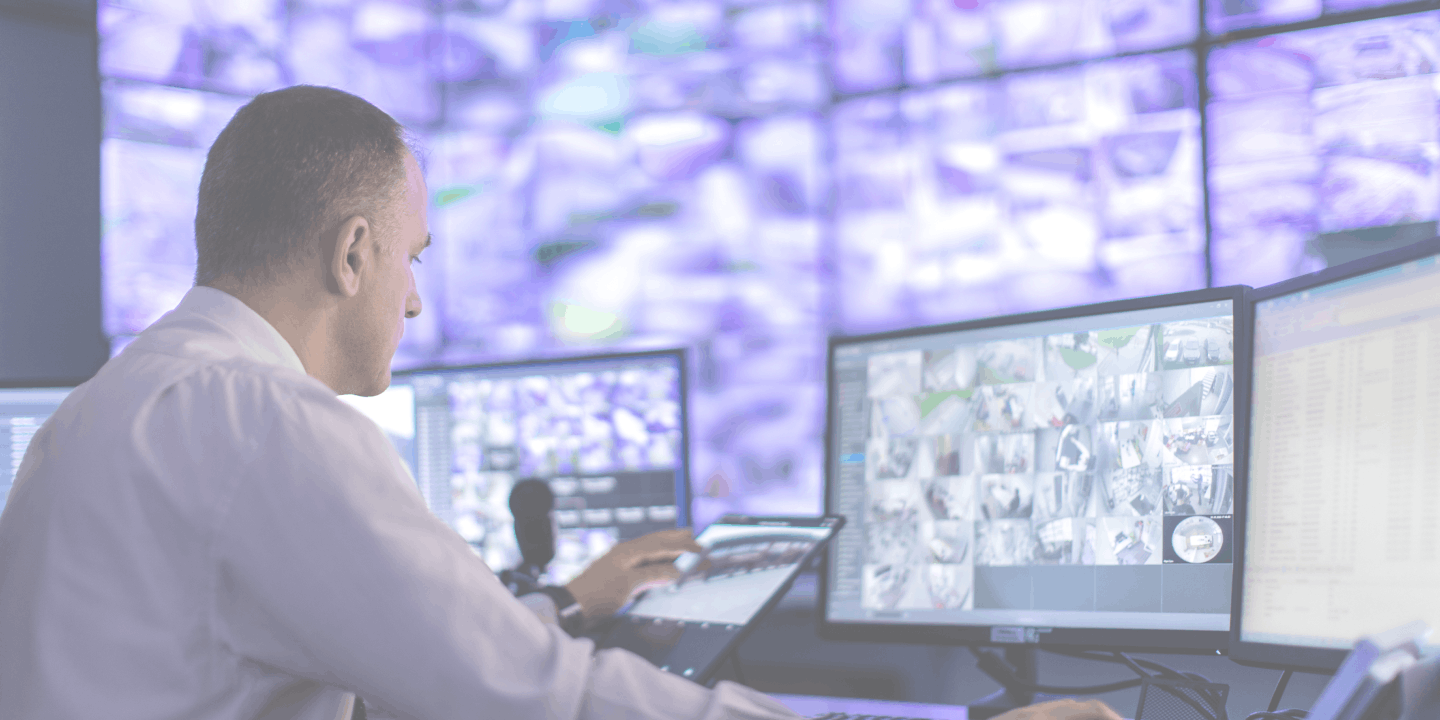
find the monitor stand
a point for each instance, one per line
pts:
(1025, 660)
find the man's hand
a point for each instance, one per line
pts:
(605, 586)
(1062, 710)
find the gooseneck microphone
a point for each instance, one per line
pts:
(530, 504)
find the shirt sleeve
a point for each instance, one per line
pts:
(329, 566)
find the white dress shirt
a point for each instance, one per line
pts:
(204, 531)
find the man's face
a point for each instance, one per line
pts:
(388, 296)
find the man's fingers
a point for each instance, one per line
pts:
(682, 538)
(657, 545)
(659, 572)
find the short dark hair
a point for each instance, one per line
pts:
(289, 164)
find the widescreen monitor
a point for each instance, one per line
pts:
(1060, 478)
(23, 409)
(607, 433)
(1341, 500)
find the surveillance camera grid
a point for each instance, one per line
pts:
(1072, 449)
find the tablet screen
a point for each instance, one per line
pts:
(742, 568)
(688, 625)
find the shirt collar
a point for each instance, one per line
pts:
(258, 339)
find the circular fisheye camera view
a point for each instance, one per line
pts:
(1197, 539)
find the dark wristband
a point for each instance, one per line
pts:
(568, 612)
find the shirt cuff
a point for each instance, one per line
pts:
(543, 607)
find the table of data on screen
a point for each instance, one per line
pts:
(1346, 407)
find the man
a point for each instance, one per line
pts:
(204, 530)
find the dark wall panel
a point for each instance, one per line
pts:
(50, 313)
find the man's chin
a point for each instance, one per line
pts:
(376, 386)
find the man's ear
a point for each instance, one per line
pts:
(350, 255)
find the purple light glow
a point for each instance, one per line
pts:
(1225, 15)
(1318, 132)
(1036, 190)
(608, 175)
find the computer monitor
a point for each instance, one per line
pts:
(23, 409)
(608, 433)
(1341, 495)
(1057, 478)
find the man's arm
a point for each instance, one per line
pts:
(329, 566)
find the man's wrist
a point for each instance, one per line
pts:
(568, 612)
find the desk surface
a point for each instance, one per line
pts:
(809, 705)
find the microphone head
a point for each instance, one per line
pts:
(530, 503)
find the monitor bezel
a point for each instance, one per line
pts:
(683, 495)
(1275, 655)
(1176, 641)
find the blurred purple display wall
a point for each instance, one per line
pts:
(1034, 190)
(1318, 138)
(745, 177)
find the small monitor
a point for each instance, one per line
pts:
(1056, 478)
(22, 411)
(1339, 515)
(607, 433)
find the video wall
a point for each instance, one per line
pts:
(745, 177)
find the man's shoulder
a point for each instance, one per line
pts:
(237, 408)
(240, 393)
(287, 396)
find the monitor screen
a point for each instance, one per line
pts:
(1061, 477)
(1315, 140)
(607, 433)
(1227, 15)
(22, 411)
(1341, 538)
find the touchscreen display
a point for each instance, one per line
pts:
(743, 566)
(688, 626)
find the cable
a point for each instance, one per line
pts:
(1082, 690)
(1215, 703)
(1001, 672)
(1211, 700)
(1279, 690)
(1213, 707)
(1123, 659)
(1127, 660)
(1292, 714)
